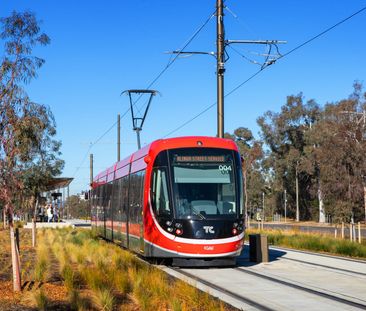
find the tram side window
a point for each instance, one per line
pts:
(136, 196)
(160, 195)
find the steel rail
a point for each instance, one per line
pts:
(321, 265)
(223, 290)
(305, 289)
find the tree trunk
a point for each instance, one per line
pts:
(34, 233)
(321, 206)
(4, 218)
(364, 198)
(15, 259)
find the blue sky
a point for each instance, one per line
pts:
(100, 48)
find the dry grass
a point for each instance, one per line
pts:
(96, 275)
(38, 299)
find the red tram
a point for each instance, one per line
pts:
(178, 198)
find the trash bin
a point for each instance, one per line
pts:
(258, 248)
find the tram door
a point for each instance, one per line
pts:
(123, 209)
(135, 224)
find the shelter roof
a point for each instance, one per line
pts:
(56, 183)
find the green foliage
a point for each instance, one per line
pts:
(68, 275)
(285, 134)
(28, 152)
(77, 207)
(253, 176)
(316, 154)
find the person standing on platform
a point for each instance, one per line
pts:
(49, 213)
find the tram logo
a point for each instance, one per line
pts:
(209, 229)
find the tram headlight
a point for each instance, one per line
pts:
(178, 225)
(234, 231)
(178, 231)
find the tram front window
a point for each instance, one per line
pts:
(204, 190)
(160, 195)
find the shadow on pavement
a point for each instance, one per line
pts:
(243, 259)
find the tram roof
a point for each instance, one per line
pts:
(157, 146)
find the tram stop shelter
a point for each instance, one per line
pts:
(57, 190)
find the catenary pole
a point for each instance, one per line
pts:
(118, 137)
(285, 206)
(91, 169)
(220, 42)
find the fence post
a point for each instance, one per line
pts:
(359, 232)
(335, 232)
(342, 230)
(350, 232)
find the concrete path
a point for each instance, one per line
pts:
(290, 281)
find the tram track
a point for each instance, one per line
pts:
(280, 248)
(356, 273)
(323, 294)
(223, 290)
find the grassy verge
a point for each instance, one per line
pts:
(99, 275)
(314, 242)
(74, 270)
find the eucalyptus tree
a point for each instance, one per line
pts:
(251, 153)
(284, 134)
(23, 126)
(340, 155)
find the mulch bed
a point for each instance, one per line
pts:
(9, 300)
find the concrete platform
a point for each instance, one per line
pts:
(292, 280)
(64, 223)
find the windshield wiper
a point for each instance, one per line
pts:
(197, 213)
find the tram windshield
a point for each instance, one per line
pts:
(204, 185)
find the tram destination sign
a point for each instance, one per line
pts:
(188, 158)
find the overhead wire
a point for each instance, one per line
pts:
(262, 68)
(172, 60)
(169, 64)
(91, 146)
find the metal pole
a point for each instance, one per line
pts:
(118, 137)
(138, 139)
(220, 67)
(297, 195)
(263, 203)
(91, 169)
(285, 206)
(364, 198)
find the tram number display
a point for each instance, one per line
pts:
(216, 159)
(225, 169)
